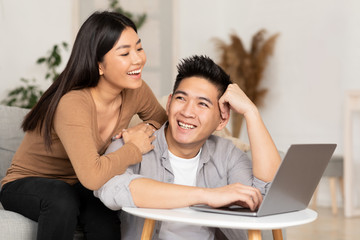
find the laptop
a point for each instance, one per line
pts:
(293, 185)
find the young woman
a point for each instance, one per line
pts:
(60, 160)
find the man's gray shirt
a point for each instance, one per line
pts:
(221, 163)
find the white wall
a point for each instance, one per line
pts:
(28, 29)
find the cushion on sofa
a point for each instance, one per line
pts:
(15, 226)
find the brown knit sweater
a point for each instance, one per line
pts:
(76, 152)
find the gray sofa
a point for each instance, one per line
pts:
(14, 226)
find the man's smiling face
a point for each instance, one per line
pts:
(193, 113)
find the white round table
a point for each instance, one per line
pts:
(254, 225)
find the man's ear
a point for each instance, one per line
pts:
(168, 104)
(223, 121)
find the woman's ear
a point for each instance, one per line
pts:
(101, 72)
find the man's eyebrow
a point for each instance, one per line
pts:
(201, 98)
(127, 46)
(180, 92)
(206, 100)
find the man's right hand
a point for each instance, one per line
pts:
(237, 193)
(235, 99)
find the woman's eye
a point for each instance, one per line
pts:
(125, 54)
(140, 49)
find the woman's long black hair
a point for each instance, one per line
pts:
(96, 37)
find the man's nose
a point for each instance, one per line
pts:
(188, 110)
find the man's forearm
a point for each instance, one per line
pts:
(265, 156)
(131, 190)
(149, 193)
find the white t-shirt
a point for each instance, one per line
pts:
(185, 174)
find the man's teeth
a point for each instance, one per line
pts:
(186, 126)
(134, 72)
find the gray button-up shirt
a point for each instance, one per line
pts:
(221, 163)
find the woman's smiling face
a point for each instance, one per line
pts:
(123, 64)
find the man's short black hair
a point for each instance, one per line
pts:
(204, 67)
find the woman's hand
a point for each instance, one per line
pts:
(141, 135)
(134, 128)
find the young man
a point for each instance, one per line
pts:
(191, 166)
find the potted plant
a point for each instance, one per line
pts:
(246, 68)
(27, 95)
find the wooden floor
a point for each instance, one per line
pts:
(327, 227)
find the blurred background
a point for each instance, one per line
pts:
(314, 63)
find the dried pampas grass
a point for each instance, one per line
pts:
(246, 68)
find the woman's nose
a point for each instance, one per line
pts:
(136, 58)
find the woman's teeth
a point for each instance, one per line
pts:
(134, 72)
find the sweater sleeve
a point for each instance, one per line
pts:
(76, 129)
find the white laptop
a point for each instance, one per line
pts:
(293, 185)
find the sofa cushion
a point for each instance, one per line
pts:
(11, 134)
(15, 226)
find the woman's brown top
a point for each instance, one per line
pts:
(77, 148)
